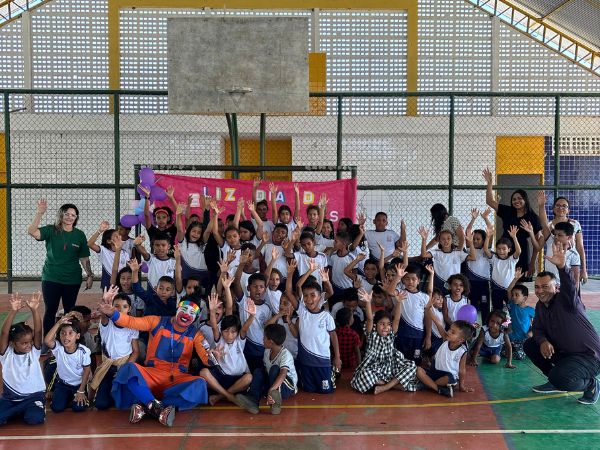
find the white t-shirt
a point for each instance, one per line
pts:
(107, 259)
(256, 331)
(128, 247)
(319, 239)
(290, 343)
(434, 329)
(281, 263)
(70, 366)
(159, 268)
(137, 304)
(291, 226)
(321, 261)
(236, 262)
(234, 362)
(192, 255)
(340, 305)
(22, 374)
(453, 307)
(338, 264)
(283, 360)
(314, 332)
(489, 340)
(481, 266)
(116, 341)
(268, 226)
(386, 238)
(413, 309)
(447, 264)
(273, 299)
(361, 264)
(368, 287)
(448, 360)
(503, 270)
(256, 242)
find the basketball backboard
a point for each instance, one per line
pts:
(214, 63)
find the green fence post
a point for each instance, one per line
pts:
(339, 138)
(263, 143)
(117, 139)
(8, 193)
(556, 145)
(451, 158)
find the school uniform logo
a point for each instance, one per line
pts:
(325, 384)
(456, 357)
(389, 238)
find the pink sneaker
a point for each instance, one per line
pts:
(138, 411)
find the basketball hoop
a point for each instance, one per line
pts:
(236, 93)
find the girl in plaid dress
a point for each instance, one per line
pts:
(383, 367)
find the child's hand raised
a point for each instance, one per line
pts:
(218, 352)
(139, 239)
(244, 257)
(513, 231)
(213, 301)
(324, 275)
(487, 175)
(312, 265)
(291, 266)
(469, 236)
(364, 295)
(170, 191)
(177, 253)
(401, 296)
(526, 226)
(541, 198)
(381, 248)
(240, 204)
(361, 219)
(430, 269)
(109, 293)
(181, 207)
(323, 200)
(144, 190)
(223, 265)
(250, 307)
(404, 248)
(356, 283)
(231, 255)
(265, 236)
(273, 189)
(399, 271)
(300, 225)
(16, 301)
(274, 252)
(34, 302)
(518, 273)
(104, 226)
(474, 213)
(297, 188)
(360, 257)
(423, 232)
(134, 265)
(256, 182)
(226, 279)
(106, 305)
(486, 213)
(250, 205)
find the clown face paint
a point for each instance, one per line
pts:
(186, 314)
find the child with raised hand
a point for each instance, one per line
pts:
(122, 279)
(307, 243)
(108, 251)
(563, 233)
(262, 208)
(119, 345)
(163, 217)
(20, 349)
(231, 375)
(284, 214)
(359, 242)
(338, 261)
(159, 301)
(389, 238)
(316, 331)
(369, 279)
(72, 365)
(458, 288)
(277, 379)
(224, 308)
(323, 280)
(192, 242)
(478, 270)
(449, 363)
(491, 338)
(521, 317)
(251, 232)
(160, 264)
(446, 259)
(433, 338)
(231, 241)
(279, 240)
(126, 240)
(284, 316)
(244, 271)
(503, 266)
(384, 367)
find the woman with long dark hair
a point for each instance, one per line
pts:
(442, 221)
(518, 211)
(66, 248)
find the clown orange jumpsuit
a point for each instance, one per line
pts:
(168, 356)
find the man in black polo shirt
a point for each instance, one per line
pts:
(565, 346)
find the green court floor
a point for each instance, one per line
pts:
(539, 413)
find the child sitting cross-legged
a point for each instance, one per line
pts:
(232, 373)
(449, 364)
(277, 379)
(384, 367)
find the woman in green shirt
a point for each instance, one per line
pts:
(66, 247)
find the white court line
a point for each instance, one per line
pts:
(299, 434)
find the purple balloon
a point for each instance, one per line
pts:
(144, 267)
(158, 193)
(147, 176)
(142, 219)
(146, 186)
(129, 220)
(468, 313)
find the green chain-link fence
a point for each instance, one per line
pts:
(67, 146)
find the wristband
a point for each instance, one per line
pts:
(91, 276)
(81, 392)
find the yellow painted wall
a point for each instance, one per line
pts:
(277, 153)
(3, 247)
(519, 155)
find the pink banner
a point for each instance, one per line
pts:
(341, 194)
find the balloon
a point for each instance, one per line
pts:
(144, 267)
(147, 175)
(158, 193)
(142, 219)
(141, 203)
(151, 199)
(129, 221)
(137, 211)
(146, 186)
(468, 313)
(136, 203)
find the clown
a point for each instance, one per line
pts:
(163, 383)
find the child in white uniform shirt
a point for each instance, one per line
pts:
(23, 386)
(109, 249)
(159, 264)
(503, 266)
(118, 344)
(72, 365)
(387, 238)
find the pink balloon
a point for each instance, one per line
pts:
(158, 193)
(135, 204)
(147, 176)
(129, 220)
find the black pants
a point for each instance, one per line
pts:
(53, 292)
(566, 372)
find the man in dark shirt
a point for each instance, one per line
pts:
(565, 346)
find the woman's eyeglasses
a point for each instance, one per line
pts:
(69, 215)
